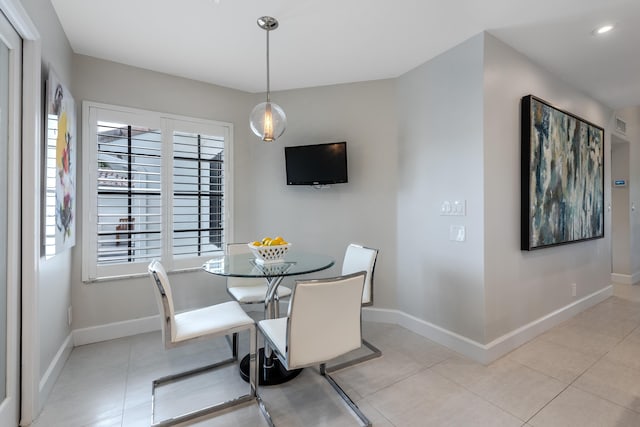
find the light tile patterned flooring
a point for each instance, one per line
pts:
(585, 372)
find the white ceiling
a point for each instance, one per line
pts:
(339, 41)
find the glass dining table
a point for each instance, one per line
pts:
(245, 265)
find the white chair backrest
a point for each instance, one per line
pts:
(359, 258)
(233, 282)
(164, 298)
(324, 319)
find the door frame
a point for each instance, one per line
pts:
(621, 250)
(30, 403)
(10, 405)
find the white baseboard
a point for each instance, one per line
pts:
(625, 279)
(483, 353)
(142, 325)
(486, 353)
(115, 330)
(50, 376)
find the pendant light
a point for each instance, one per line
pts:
(267, 119)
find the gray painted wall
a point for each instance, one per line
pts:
(327, 220)
(112, 83)
(54, 287)
(522, 286)
(459, 127)
(440, 151)
(314, 220)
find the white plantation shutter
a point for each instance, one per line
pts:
(157, 189)
(129, 201)
(198, 194)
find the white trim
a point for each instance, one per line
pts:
(31, 134)
(142, 325)
(15, 13)
(89, 183)
(115, 330)
(30, 175)
(482, 353)
(625, 279)
(486, 353)
(10, 396)
(92, 112)
(52, 373)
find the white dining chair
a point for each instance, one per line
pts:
(198, 324)
(324, 322)
(248, 290)
(360, 258)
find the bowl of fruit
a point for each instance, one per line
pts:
(269, 251)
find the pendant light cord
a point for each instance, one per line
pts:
(268, 88)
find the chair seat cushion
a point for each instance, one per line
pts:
(276, 330)
(255, 293)
(212, 320)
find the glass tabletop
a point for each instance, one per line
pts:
(245, 265)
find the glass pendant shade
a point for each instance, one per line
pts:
(268, 121)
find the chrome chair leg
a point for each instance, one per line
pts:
(265, 414)
(375, 353)
(233, 344)
(276, 308)
(254, 379)
(361, 416)
(247, 398)
(200, 412)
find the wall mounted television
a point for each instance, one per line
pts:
(318, 164)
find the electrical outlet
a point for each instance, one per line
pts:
(573, 289)
(69, 316)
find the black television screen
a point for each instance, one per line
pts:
(318, 164)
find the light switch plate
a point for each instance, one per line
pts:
(457, 233)
(453, 208)
(459, 207)
(445, 208)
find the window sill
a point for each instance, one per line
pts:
(137, 275)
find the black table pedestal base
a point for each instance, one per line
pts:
(276, 374)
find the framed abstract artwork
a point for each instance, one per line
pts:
(59, 231)
(562, 182)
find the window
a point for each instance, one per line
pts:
(157, 186)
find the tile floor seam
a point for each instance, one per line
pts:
(569, 348)
(492, 403)
(594, 363)
(399, 379)
(573, 382)
(547, 404)
(486, 400)
(126, 383)
(364, 399)
(583, 352)
(605, 399)
(388, 386)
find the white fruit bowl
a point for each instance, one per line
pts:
(269, 254)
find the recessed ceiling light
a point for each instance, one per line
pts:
(603, 29)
